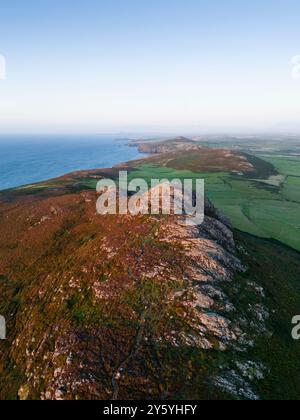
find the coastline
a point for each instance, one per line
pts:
(26, 162)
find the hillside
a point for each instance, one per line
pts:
(184, 154)
(121, 307)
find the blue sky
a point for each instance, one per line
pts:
(159, 65)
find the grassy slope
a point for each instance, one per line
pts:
(276, 268)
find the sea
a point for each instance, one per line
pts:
(28, 159)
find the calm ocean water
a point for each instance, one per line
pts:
(25, 160)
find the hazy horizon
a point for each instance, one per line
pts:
(117, 135)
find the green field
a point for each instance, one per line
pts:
(268, 208)
(287, 165)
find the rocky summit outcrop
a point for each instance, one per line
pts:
(129, 307)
